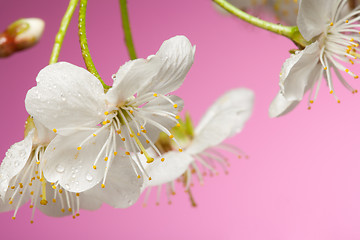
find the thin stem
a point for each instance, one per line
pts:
(62, 31)
(291, 32)
(127, 30)
(84, 45)
(192, 200)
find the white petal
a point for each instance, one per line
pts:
(132, 76)
(122, 185)
(66, 96)
(280, 106)
(299, 72)
(315, 16)
(223, 119)
(177, 56)
(43, 135)
(72, 168)
(174, 166)
(14, 161)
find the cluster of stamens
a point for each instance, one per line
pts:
(340, 43)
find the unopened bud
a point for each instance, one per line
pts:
(21, 34)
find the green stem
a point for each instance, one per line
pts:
(127, 30)
(84, 45)
(62, 31)
(291, 32)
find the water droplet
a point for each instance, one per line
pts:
(22, 153)
(60, 168)
(74, 175)
(77, 183)
(89, 177)
(67, 186)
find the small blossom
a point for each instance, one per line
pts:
(333, 33)
(203, 145)
(23, 33)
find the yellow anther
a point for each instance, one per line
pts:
(177, 117)
(78, 214)
(73, 217)
(10, 202)
(155, 95)
(54, 130)
(325, 68)
(142, 127)
(347, 21)
(63, 210)
(131, 135)
(347, 70)
(147, 141)
(178, 125)
(108, 121)
(13, 218)
(52, 183)
(104, 122)
(331, 92)
(102, 185)
(31, 221)
(171, 136)
(331, 24)
(54, 187)
(163, 159)
(38, 162)
(21, 185)
(30, 184)
(79, 148)
(144, 131)
(13, 187)
(70, 209)
(150, 160)
(351, 61)
(20, 192)
(127, 153)
(36, 172)
(173, 193)
(356, 91)
(94, 166)
(356, 77)
(32, 193)
(60, 190)
(38, 177)
(309, 108)
(115, 153)
(338, 101)
(106, 113)
(94, 135)
(54, 200)
(150, 178)
(131, 111)
(311, 101)
(180, 150)
(43, 202)
(77, 194)
(106, 158)
(138, 176)
(31, 206)
(351, 40)
(118, 131)
(123, 139)
(138, 134)
(175, 105)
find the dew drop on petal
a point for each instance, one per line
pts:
(89, 177)
(67, 186)
(60, 168)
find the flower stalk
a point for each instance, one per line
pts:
(291, 32)
(127, 30)
(84, 45)
(62, 31)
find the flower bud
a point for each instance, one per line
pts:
(21, 34)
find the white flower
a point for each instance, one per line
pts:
(96, 129)
(21, 179)
(334, 33)
(223, 119)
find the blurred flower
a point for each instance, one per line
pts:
(97, 131)
(23, 33)
(223, 119)
(333, 34)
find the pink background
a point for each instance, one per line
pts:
(302, 180)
